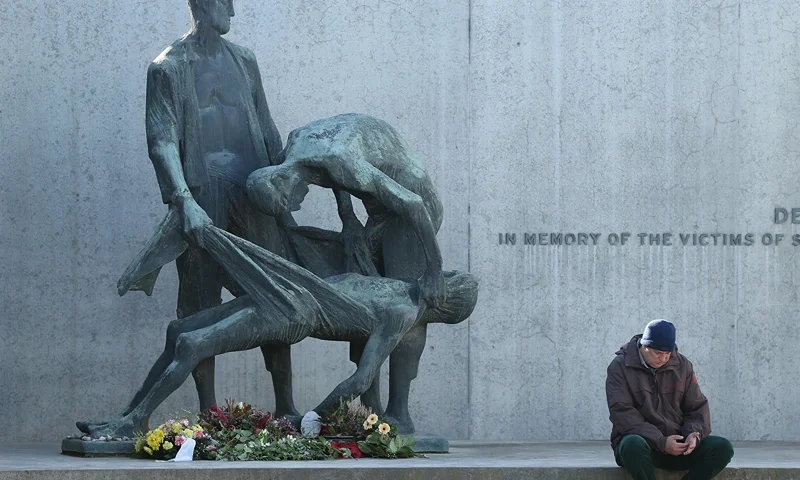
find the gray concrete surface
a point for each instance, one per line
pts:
(533, 116)
(468, 459)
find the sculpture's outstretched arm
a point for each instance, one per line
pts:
(357, 255)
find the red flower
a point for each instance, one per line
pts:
(219, 413)
(352, 446)
(263, 421)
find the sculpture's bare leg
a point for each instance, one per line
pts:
(203, 375)
(242, 330)
(199, 289)
(402, 259)
(278, 360)
(403, 368)
(380, 344)
(200, 320)
(372, 397)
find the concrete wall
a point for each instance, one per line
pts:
(533, 116)
(609, 116)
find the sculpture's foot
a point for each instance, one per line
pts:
(287, 412)
(403, 423)
(84, 426)
(115, 427)
(295, 420)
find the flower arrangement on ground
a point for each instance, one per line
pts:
(347, 421)
(243, 432)
(163, 443)
(357, 430)
(384, 442)
(242, 416)
(238, 431)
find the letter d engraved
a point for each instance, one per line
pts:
(781, 215)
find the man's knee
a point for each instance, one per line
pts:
(363, 379)
(633, 445)
(188, 347)
(719, 447)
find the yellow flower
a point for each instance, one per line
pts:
(155, 438)
(168, 446)
(139, 444)
(176, 427)
(367, 425)
(148, 451)
(197, 428)
(384, 428)
(372, 419)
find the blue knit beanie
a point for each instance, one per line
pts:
(659, 335)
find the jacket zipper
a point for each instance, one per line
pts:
(655, 390)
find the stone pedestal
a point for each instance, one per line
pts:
(427, 443)
(97, 448)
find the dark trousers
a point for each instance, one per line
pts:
(710, 457)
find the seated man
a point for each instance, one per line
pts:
(660, 417)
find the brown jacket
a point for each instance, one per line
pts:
(654, 406)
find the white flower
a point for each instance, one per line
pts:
(372, 419)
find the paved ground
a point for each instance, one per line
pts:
(572, 460)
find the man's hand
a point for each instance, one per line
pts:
(432, 289)
(675, 446)
(193, 219)
(691, 442)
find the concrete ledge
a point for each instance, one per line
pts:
(468, 460)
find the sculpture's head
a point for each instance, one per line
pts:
(277, 190)
(214, 13)
(462, 295)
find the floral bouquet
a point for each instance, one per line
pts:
(163, 443)
(356, 431)
(383, 440)
(243, 432)
(220, 422)
(346, 422)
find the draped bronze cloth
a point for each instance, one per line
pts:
(282, 290)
